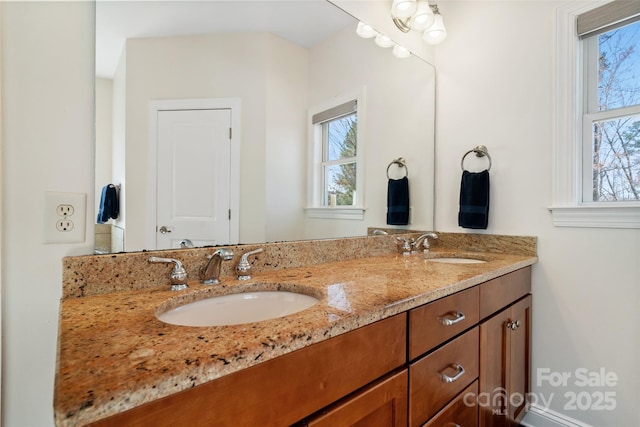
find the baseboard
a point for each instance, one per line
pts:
(542, 417)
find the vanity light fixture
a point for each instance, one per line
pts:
(403, 8)
(423, 17)
(407, 15)
(383, 41)
(367, 32)
(436, 33)
(401, 52)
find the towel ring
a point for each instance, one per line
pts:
(401, 164)
(480, 151)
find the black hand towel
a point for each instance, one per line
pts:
(109, 204)
(398, 201)
(474, 200)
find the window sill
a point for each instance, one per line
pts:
(336, 213)
(596, 216)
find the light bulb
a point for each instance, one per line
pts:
(401, 52)
(436, 33)
(383, 41)
(403, 8)
(423, 18)
(365, 31)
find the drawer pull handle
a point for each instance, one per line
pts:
(452, 318)
(460, 372)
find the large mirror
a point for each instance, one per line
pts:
(280, 61)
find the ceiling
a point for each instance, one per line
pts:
(304, 22)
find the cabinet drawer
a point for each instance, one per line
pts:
(502, 291)
(462, 411)
(382, 404)
(437, 378)
(436, 322)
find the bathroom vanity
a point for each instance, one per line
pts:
(394, 341)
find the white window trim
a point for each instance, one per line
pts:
(567, 210)
(314, 207)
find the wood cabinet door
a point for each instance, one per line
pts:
(519, 359)
(383, 404)
(492, 400)
(505, 365)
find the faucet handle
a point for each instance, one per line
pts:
(244, 267)
(178, 273)
(186, 243)
(404, 245)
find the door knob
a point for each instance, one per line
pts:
(164, 230)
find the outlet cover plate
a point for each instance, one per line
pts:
(64, 217)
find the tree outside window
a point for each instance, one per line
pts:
(339, 163)
(616, 121)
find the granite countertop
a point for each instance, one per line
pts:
(114, 354)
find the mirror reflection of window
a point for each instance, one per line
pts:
(340, 142)
(339, 145)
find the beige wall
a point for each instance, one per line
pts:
(47, 145)
(495, 88)
(118, 147)
(104, 135)
(285, 141)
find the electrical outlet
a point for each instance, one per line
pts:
(64, 217)
(64, 225)
(65, 210)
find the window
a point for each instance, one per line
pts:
(339, 162)
(337, 178)
(596, 167)
(611, 116)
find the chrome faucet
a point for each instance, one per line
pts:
(178, 274)
(210, 274)
(423, 241)
(244, 267)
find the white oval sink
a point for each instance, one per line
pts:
(236, 309)
(449, 260)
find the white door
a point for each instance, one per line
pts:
(193, 177)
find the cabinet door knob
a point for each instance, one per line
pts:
(459, 372)
(513, 325)
(452, 318)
